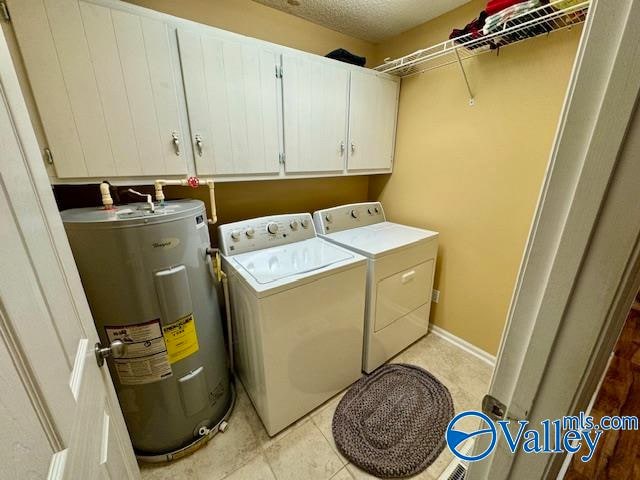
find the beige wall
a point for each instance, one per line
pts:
(255, 20)
(241, 200)
(474, 173)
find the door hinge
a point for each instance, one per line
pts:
(278, 71)
(282, 158)
(4, 9)
(48, 156)
(493, 407)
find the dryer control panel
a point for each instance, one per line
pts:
(345, 217)
(264, 232)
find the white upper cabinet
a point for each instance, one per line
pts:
(233, 103)
(105, 86)
(372, 121)
(124, 92)
(316, 103)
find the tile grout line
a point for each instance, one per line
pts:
(251, 459)
(343, 468)
(338, 454)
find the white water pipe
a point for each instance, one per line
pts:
(107, 201)
(193, 182)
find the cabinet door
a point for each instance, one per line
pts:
(315, 99)
(232, 98)
(105, 86)
(372, 121)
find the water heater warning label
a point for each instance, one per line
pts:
(145, 359)
(181, 338)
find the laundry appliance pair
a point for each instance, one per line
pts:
(317, 300)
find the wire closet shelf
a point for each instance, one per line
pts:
(552, 17)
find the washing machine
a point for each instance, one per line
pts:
(297, 303)
(401, 266)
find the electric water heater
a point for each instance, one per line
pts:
(149, 285)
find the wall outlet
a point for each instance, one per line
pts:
(435, 296)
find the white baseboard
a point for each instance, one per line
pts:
(464, 345)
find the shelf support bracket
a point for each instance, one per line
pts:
(472, 100)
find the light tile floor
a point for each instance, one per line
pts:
(306, 449)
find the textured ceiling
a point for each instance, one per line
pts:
(372, 20)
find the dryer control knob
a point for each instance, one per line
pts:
(294, 224)
(235, 235)
(249, 232)
(272, 228)
(304, 222)
(370, 211)
(355, 214)
(328, 218)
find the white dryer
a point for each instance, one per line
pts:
(401, 266)
(297, 305)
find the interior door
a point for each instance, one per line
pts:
(315, 99)
(106, 86)
(232, 98)
(581, 267)
(66, 420)
(372, 120)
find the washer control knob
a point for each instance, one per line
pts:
(328, 218)
(294, 224)
(304, 222)
(235, 235)
(249, 232)
(371, 210)
(377, 210)
(272, 228)
(354, 213)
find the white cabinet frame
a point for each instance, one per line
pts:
(61, 126)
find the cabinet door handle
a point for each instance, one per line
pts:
(176, 142)
(353, 147)
(407, 277)
(342, 148)
(199, 144)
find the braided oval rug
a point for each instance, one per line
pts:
(392, 423)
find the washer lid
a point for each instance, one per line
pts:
(277, 263)
(380, 238)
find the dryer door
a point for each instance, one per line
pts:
(402, 293)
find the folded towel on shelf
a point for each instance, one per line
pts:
(494, 22)
(494, 6)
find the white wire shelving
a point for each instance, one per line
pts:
(543, 20)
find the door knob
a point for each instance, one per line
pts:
(115, 350)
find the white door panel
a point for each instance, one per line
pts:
(315, 99)
(73, 54)
(232, 97)
(29, 452)
(45, 324)
(372, 121)
(104, 83)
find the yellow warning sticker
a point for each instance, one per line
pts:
(181, 338)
